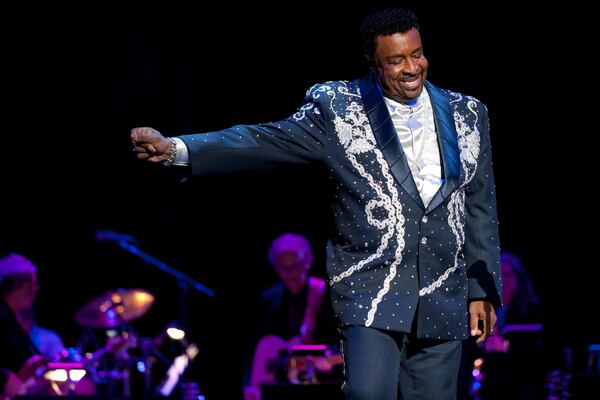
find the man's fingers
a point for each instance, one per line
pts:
(475, 331)
(485, 328)
(142, 135)
(149, 157)
(482, 319)
(148, 152)
(138, 133)
(488, 321)
(146, 148)
(483, 331)
(149, 147)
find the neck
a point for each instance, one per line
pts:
(296, 287)
(23, 314)
(25, 319)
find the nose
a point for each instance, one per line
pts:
(409, 66)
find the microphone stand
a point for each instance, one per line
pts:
(185, 282)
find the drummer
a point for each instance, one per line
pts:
(22, 341)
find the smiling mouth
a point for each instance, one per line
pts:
(412, 83)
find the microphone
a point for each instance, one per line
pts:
(110, 236)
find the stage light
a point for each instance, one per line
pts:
(70, 373)
(175, 333)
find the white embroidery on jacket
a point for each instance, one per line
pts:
(355, 135)
(469, 144)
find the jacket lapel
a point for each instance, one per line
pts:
(386, 136)
(448, 141)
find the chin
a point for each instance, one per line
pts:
(412, 95)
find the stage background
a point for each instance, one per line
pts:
(79, 79)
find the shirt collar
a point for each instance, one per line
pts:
(404, 110)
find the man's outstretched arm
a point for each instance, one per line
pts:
(298, 140)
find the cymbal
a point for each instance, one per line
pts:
(114, 308)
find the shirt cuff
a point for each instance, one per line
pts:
(182, 157)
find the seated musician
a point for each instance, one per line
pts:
(294, 311)
(24, 345)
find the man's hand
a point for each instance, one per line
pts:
(483, 318)
(150, 145)
(29, 368)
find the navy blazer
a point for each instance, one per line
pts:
(392, 262)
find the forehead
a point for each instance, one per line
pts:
(289, 260)
(398, 43)
(289, 254)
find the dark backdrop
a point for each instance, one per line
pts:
(79, 79)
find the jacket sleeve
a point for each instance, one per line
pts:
(482, 248)
(297, 140)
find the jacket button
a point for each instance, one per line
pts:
(423, 240)
(424, 219)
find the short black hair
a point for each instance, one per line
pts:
(385, 22)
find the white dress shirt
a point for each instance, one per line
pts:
(416, 129)
(182, 158)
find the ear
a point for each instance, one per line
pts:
(371, 62)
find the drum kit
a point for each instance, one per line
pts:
(115, 308)
(123, 366)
